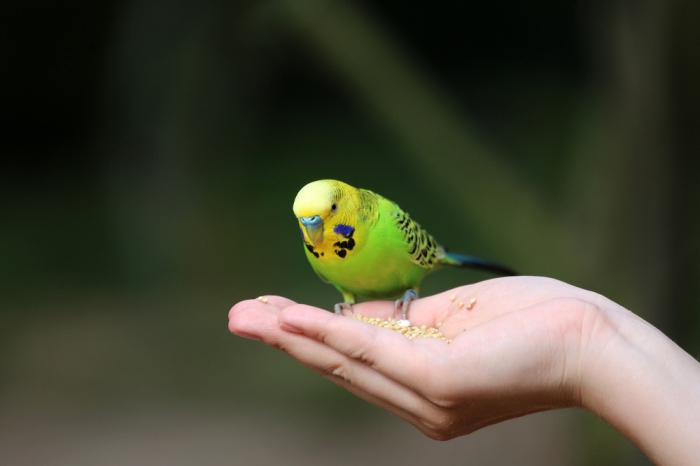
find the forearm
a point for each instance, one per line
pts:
(644, 385)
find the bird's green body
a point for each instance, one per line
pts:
(379, 265)
(365, 245)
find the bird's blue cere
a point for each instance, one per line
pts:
(345, 230)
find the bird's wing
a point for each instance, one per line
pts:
(421, 246)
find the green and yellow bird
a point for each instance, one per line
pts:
(366, 246)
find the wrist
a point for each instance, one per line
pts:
(639, 381)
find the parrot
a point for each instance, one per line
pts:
(367, 247)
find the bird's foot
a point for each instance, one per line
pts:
(404, 304)
(339, 308)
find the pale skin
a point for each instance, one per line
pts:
(528, 344)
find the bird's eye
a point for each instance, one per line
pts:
(334, 208)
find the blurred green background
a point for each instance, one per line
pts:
(152, 150)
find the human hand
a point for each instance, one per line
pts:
(528, 344)
(519, 350)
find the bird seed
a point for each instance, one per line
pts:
(411, 331)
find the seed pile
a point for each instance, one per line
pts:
(409, 331)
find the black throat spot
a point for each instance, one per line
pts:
(312, 250)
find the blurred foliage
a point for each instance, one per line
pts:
(153, 149)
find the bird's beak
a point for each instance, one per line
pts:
(313, 226)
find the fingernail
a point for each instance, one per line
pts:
(287, 327)
(290, 321)
(248, 336)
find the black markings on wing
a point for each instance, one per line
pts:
(422, 247)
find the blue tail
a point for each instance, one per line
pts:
(460, 260)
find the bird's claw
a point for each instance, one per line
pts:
(404, 304)
(340, 307)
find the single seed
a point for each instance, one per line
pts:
(460, 305)
(262, 299)
(453, 297)
(471, 303)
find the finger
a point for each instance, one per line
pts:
(278, 301)
(356, 377)
(362, 380)
(253, 319)
(428, 421)
(388, 352)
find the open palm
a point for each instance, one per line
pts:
(516, 351)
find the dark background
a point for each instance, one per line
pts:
(152, 150)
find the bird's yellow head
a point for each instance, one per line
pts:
(321, 205)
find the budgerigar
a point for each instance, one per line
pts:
(366, 246)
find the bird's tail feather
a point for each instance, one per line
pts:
(471, 262)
